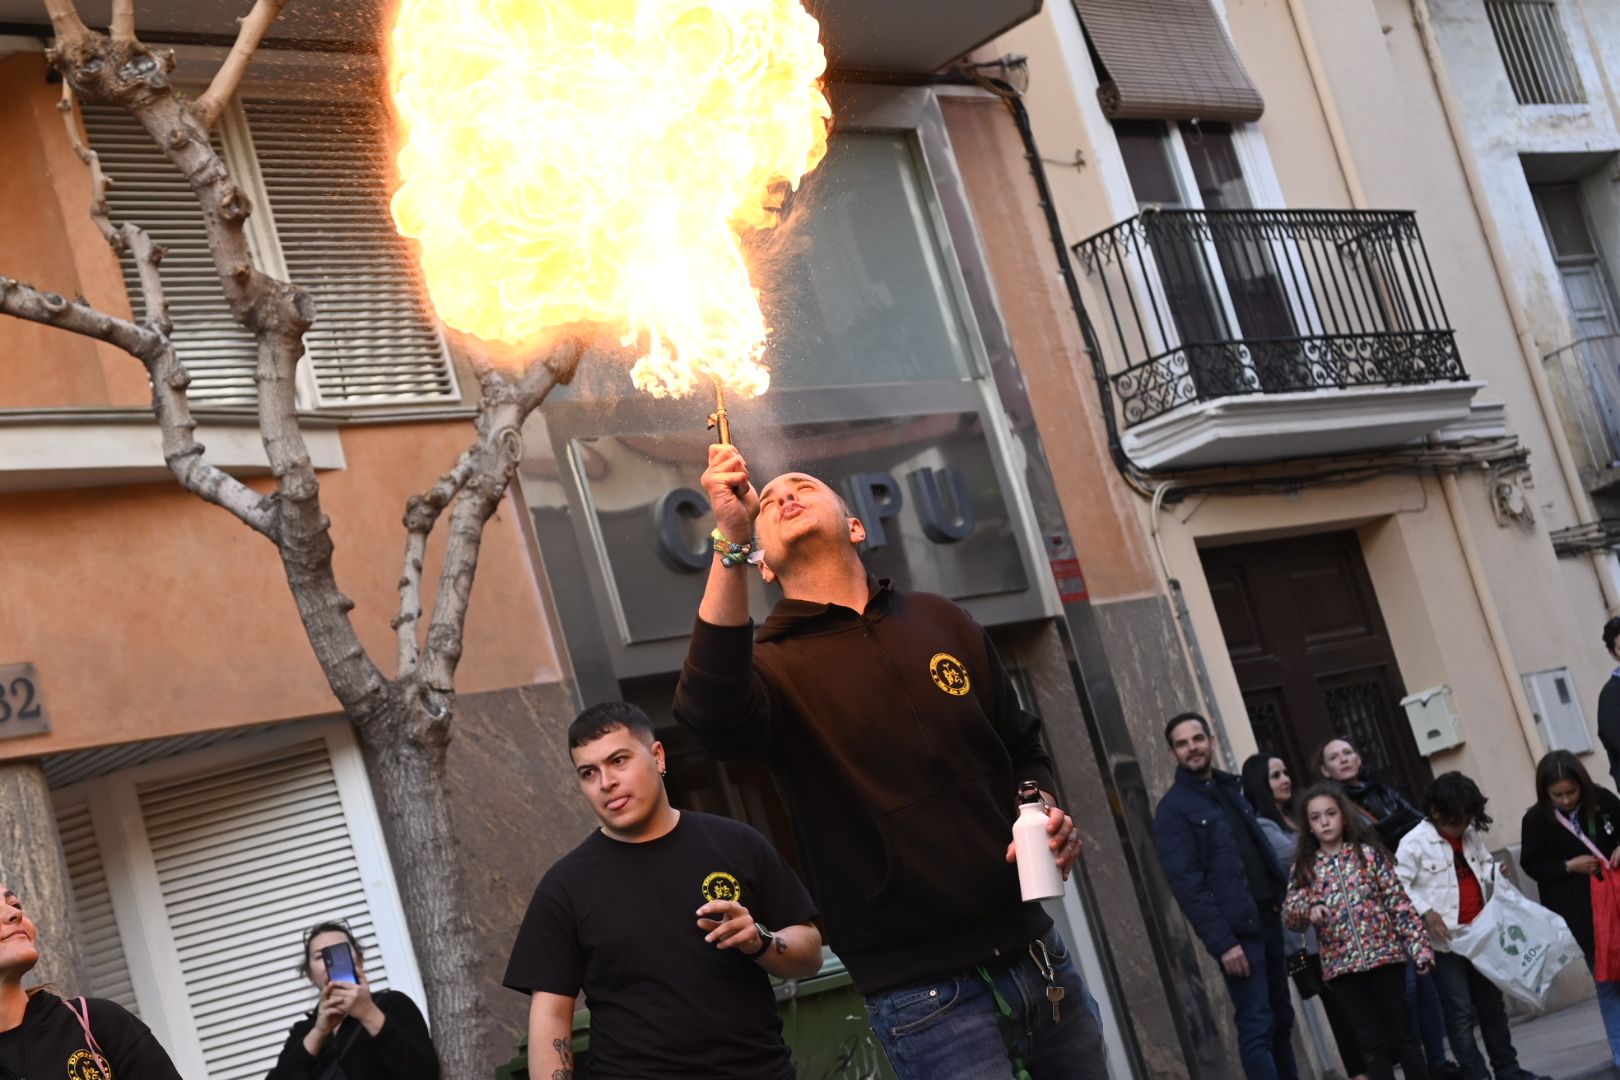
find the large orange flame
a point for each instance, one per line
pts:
(567, 161)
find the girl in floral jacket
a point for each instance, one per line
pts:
(1344, 884)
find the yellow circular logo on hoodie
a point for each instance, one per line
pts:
(949, 674)
(83, 1066)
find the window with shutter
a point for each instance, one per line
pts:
(105, 965)
(318, 172)
(246, 860)
(216, 863)
(324, 168)
(148, 191)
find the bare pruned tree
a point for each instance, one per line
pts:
(404, 722)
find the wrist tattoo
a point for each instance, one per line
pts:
(565, 1054)
(781, 946)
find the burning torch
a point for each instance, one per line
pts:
(717, 419)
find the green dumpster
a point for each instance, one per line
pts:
(823, 1021)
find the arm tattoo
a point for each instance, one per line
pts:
(565, 1054)
(781, 946)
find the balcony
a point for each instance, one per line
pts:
(1585, 377)
(1238, 336)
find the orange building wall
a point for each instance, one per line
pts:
(150, 613)
(1114, 552)
(48, 240)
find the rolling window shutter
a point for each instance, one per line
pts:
(248, 858)
(149, 192)
(1167, 60)
(324, 167)
(106, 969)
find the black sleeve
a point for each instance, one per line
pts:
(546, 955)
(403, 1042)
(1018, 728)
(131, 1049)
(1609, 724)
(720, 697)
(781, 897)
(295, 1062)
(1536, 850)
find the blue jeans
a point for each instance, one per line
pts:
(1262, 1007)
(952, 1027)
(1428, 1017)
(1608, 995)
(1471, 999)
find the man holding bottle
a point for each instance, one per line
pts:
(898, 743)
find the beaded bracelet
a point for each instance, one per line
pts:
(733, 554)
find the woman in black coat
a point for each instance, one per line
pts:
(1563, 866)
(353, 1033)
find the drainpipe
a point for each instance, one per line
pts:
(1568, 470)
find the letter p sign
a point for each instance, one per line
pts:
(873, 496)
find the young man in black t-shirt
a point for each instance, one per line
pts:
(671, 922)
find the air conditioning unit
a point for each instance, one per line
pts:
(1433, 717)
(1558, 714)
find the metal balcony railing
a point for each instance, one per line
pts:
(1586, 380)
(1209, 304)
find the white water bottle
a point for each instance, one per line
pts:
(1038, 875)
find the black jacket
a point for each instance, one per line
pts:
(1547, 846)
(1609, 723)
(56, 1046)
(1201, 860)
(400, 1051)
(897, 742)
(1394, 813)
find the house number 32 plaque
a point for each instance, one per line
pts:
(22, 707)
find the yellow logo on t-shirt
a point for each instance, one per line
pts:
(84, 1066)
(722, 886)
(949, 674)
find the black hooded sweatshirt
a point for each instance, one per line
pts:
(898, 743)
(50, 1044)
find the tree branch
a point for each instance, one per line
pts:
(99, 181)
(65, 22)
(53, 309)
(421, 514)
(494, 458)
(122, 26)
(211, 104)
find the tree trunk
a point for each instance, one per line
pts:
(33, 866)
(405, 746)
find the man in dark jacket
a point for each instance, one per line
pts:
(898, 743)
(1206, 831)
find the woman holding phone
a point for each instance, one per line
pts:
(352, 1032)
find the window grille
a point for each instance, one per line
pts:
(1535, 52)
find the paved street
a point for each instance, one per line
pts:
(1565, 1045)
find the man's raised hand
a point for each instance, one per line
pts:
(728, 925)
(732, 496)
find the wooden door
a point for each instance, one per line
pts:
(1308, 643)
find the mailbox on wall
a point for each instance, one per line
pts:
(1433, 717)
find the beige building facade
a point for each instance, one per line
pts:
(1313, 528)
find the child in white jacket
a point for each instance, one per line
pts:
(1447, 871)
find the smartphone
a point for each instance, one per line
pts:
(339, 960)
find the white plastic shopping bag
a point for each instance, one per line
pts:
(1517, 944)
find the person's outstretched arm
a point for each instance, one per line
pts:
(720, 697)
(551, 1036)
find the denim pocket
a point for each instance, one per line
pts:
(918, 1008)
